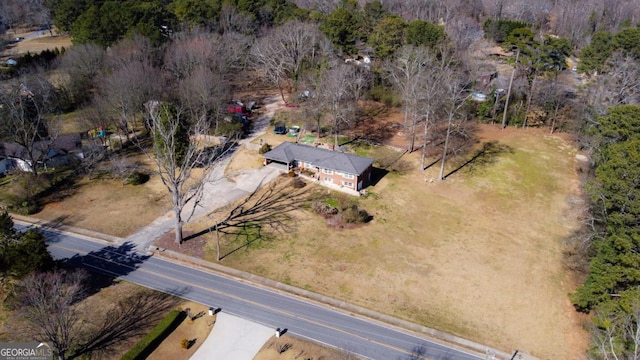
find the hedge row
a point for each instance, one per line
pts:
(145, 347)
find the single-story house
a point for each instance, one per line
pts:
(65, 148)
(332, 168)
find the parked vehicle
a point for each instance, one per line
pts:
(280, 129)
(294, 130)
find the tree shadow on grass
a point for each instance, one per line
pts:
(487, 154)
(269, 207)
(59, 222)
(131, 316)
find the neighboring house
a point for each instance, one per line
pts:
(64, 149)
(5, 165)
(332, 168)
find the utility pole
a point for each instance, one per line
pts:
(506, 104)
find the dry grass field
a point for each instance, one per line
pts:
(37, 44)
(95, 308)
(478, 255)
(298, 349)
(108, 206)
(195, 331)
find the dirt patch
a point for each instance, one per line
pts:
(380, 125)
(192, 247)
(194, 331)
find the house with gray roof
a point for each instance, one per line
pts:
(329, 168)
(46, 153)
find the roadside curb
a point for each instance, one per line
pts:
(478, 349)
(93, 235)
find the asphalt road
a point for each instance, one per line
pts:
(367, 338)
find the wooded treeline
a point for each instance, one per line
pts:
(105, 21)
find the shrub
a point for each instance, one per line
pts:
(150, 342)
(230, 129)
(355, 215)
(308, 173)
(385, 96)
(185, 343)
(291, 174)
(137, 178)
(264, 148)
(322, 208)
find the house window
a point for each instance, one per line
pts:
(328, 180)
(347, 184)
(348, 176)
(327, 171)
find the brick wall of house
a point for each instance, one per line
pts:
(337, 178)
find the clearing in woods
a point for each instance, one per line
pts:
(478, 255)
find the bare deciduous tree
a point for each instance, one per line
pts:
(131, 316)
(617, 333)
(175, 156)
(619, 85)
(622, 80)
(231, 49)
(337, 92)
(134, 49)
(45, 301)
(28, 108)
(314, 104)
(273, 67)
(324, 7)
(82, 64)
(192, 51)
(432, 92)
(231, 20)
(125, 89)
(281, 53)
(197, 51)
(454, 97)
(203, 93)
(295, 41)
(199, 63)
(406, 72)
(24, 12)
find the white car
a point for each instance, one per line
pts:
(294, 130)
